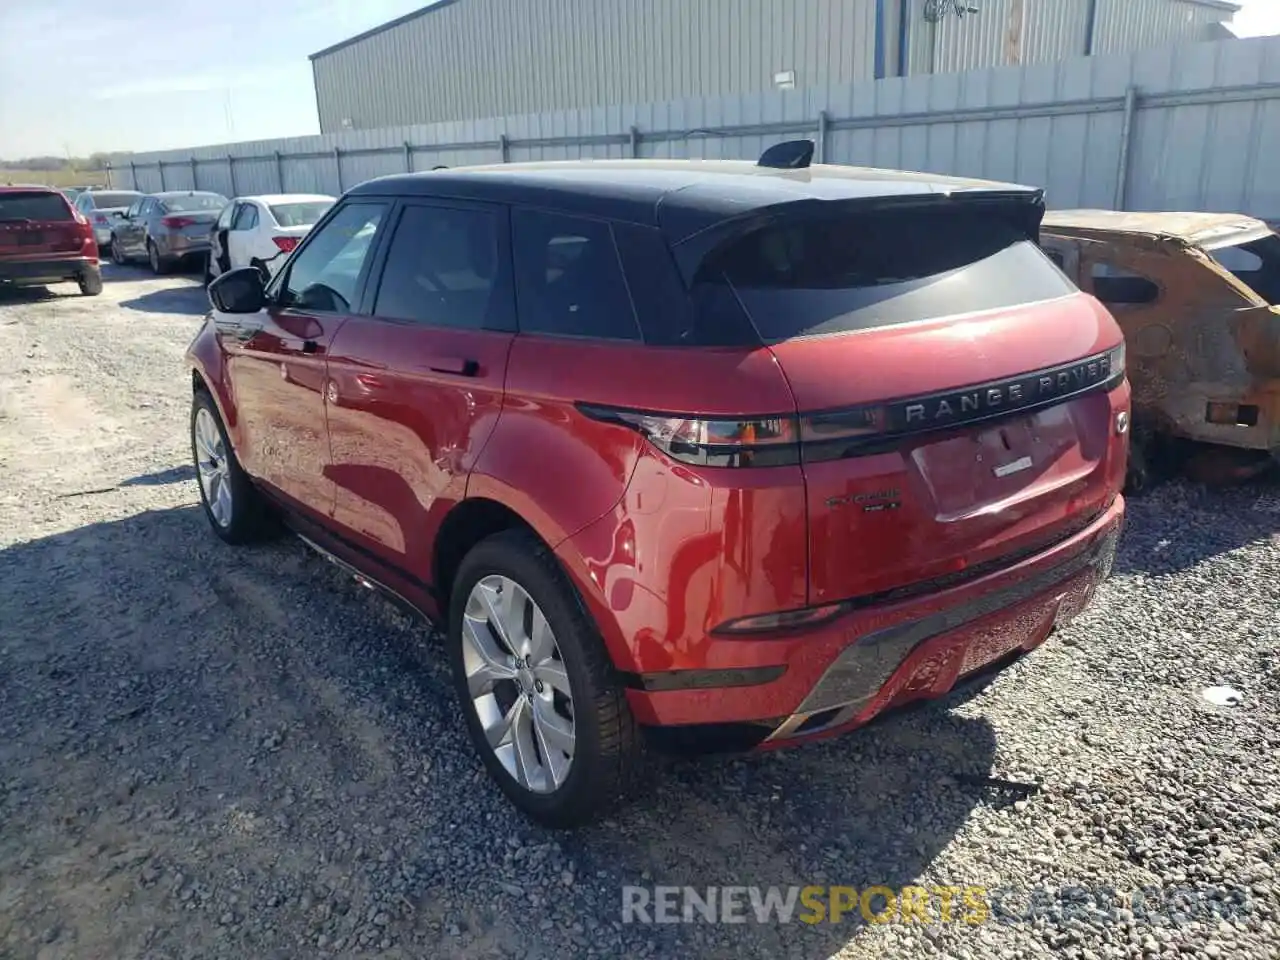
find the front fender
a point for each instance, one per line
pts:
(206, 358)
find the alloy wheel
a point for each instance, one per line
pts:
(518, 685)
(116, 253)
(211, 464)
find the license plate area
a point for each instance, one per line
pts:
(986, 465)
(30, 238)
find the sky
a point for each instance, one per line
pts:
(79, 76)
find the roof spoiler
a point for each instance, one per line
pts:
(789, 155)
(692, 251)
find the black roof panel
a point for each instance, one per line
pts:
(688, 194)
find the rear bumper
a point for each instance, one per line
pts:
(176, 245)
(845, 674)
(50, 270)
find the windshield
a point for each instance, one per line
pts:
(1255, 264)
(101, 200)
(300, 214)
(37, 205)
(887, 267)
(194, 203)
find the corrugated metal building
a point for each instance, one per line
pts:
(470, 59)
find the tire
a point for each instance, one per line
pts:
(247, 517)
(607, 745)
(159, 266)
(262, 269)
(90, 282)
(208, 268)
(117, 253)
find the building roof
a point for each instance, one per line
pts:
(412, 15)
(1226, 5)
(684, 195)
(1194, 228)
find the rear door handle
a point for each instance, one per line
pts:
(455, 365)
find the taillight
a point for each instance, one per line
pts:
(177, 223)
(757, 441)
(286, 244)
(100, 219)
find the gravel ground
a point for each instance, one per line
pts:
(210, 753)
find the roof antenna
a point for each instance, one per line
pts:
(789, 155)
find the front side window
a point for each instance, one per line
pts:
(224, 218)
(569, 279)
(325, 275)
(444, 268)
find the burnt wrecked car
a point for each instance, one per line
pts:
(1194, 295)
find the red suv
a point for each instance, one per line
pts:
(692, 452)
(43, 240)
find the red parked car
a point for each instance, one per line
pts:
(43, 240)
(693, 452)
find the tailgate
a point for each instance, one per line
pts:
(954, 389)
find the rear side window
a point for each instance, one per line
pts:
(1118, 287)
(569, 280)
(1256, 264)
(35, 205)
(887, 267)
(444, 268)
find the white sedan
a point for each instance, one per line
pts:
(262, 231)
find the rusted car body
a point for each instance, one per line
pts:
(1193, 293)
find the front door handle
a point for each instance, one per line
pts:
(247, 331)
(456, 365)
(310, 346)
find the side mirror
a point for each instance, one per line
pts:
(238, 291)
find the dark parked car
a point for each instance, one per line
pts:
(43, 240)
(166, 228)
(677, 452)
(102, 208)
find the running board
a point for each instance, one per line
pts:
(405, 605)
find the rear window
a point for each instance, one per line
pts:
(36, 205)
(888, 267)
(1256, 264)
(301, 214)
(101, 200)
(194, 203)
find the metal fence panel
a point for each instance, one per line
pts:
(1206, 117)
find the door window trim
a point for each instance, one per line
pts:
(358, 304)
(502, 213)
